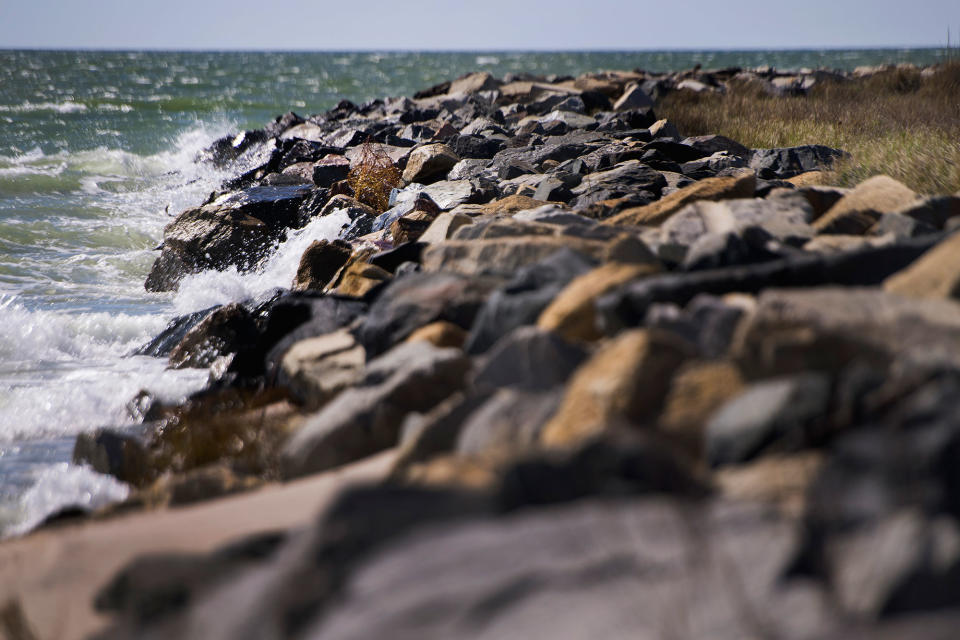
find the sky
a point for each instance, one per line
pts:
(475, 25)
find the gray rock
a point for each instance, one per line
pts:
(529, 359)
(367, 418)
(792, 161)
(450, 193)
(633, 98)
(772, 412)
(316, 369)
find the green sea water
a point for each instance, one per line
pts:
(97, 153)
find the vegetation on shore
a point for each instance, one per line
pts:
(899, 122)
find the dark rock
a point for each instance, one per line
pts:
(320, 263)
(707, 322)
(529, 359)
(329, 170)
(166, 340)
(474, 146)
(624, 179)
(411, 302)
(709, 145)
(675, 151)
(236, 229)
(792, 161)
(224, 330)
(121, 454)
(774, 413)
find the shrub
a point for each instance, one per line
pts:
(372, 176)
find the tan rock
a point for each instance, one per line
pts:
(664, 129)
(511, 204)
(624, 382)
(857, 211)
(440, 334)
(359, 278)
(444, 225)
(810, 179)
(410, 227)
(429, 163)
(697, 391)
(723, 188)
(838, 243)
(935, 275)
(317, 369)
(474, 82)
(780, 480)
(572, 313)
(320, 263)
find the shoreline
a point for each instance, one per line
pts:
(650, 284)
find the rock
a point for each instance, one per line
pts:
(392, 259)
(320, 263)
(450, 193)
(827, 328)
(205, 483)
(474, 83)
(472, 147)
(627, 306)
(349, 204)
(935, 275)
(440, 334)
(708, 322)
(529, 359)
(235, 229)
(783, 480)
(329, 170)
(224, 330)
(625, 381)
(366, 418)
(360, 278)
(418, 299)
(444, 226)
(857, 211)
(410, 227)
(572, 313)
(626, 178)
(664, 129)
(502, 256)
(900, 226)
(774, 412)
(468, 168)
(831, 244)
(739, 186)
(118, 453)
(172, 334)
(633, 98)
(696, 392)
(315, 370)
(934, 210)
(820, 198)
(793, 161)
(430, 163)
(524, 297)
(711, 144)
(507, 424)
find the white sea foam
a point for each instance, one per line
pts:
(57, 107)
(60, 486)
(208, 288)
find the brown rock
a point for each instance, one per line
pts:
(205, 483)
(856, 212)
(320, 263)
(782, 480)
(351, 204)
(572, 312)
(935, 275)
(698, 389)
(624, 382)
(510, 204)
(810, 179)
(359, 278)
(440, 334)
(410, 227)
(723, 188)
(222, 331)
(430, 163)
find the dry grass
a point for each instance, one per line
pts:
(372, 176)
(896, 122)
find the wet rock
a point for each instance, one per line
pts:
(366, 418)
(774, 412)
(173, 333)
(320, 263)
(430, 163)
(235, 229)
(624, 382)
(224, 330)
(329, 170)
(118, 453)
(740, 186)
(858, 210)
(315, 370)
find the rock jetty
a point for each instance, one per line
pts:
(637, 384)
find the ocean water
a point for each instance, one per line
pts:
(97, 154)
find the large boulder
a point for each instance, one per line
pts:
(858, 210)
(319, 263)
(235, 229)
(224, 330)
(793, 161)
(430, 163)
(315, 370)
